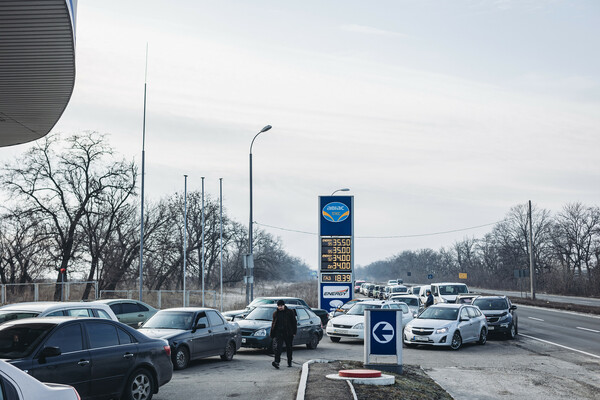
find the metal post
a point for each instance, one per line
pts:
(221, 237)
(141, 279)
(202, 241)
(184, 234)
(531, 259)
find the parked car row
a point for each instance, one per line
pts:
(382, 291)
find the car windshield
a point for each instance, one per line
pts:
(491, 304)
(261, 314)
(11, 315)
(397, 306)
(450, 290)
(449, 314)
(21, 340)
(359, 308)
(170, 320)
(400, 289)
(411, 301)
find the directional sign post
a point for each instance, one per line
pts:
(383, 339)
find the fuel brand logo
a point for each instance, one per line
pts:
(334, 292)
(336, 212)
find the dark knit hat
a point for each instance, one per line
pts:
(280, 303)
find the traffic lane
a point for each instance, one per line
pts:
(586, 301)
(577, 331)
(250, 374)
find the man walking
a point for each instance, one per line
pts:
(283, 329)
(429, 301)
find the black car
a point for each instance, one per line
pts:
(256, 327)
(235, 315)
(194, 333)
(102, 359)
(501, 315)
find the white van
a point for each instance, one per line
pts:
(446, 292)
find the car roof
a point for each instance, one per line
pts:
(373, 302)
(446, 305)
(49, 320)
(275, 306)
(449, 283)
(490, 297)
(42, 306)
(188, 309)
(401, 296)
(278, 297)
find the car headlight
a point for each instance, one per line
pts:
(260, 332)
(507, 317)
(360, 325)
(442, 330)
(329, 324)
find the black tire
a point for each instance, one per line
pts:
(181, 358)
(314, 342)
(335, 339)
(456, 341)
(139, 386)
(482, 337)
(229, 352)
(512, 332)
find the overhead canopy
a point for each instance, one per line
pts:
(37, 66)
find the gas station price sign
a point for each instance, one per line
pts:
(336, 277)
(336, 254)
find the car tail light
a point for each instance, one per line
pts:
(167, 350)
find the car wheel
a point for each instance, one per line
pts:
(335, 339)
(229, 352)
(314, 342)
(456, 341)
(139, 385)
(512, 332)
(482, 336)
(181, 358)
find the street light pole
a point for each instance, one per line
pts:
(340, 190)
(184, 233)
(250, 260)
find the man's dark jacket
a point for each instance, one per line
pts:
(288, 320)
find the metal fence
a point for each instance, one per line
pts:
(66, 291)
(166, 298)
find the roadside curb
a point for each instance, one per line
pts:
(304, 376)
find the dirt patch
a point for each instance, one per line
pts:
(412, 384)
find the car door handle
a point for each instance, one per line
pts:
(140, 315)
(128, 355)
(83, 363)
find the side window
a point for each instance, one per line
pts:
(464, 313)
(102, 314)
(117, 309)
(472, 312)
(214, 318)
(80, 312)
(102, 335)
(129, 308)
(7, 390)
(124, 337)
(67, 338)
(302, 314)
(202, 319)
(56, 314)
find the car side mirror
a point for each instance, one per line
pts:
(50, 351)
(513, 307)
(465, 318)
(200, 326)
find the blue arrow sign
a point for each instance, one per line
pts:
(383, 332)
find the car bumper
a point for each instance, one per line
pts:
(345, 333)
(257, 342)
(499, 327)
(434, 339)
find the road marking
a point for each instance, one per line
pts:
(537, 319)
(588, 329)
(560, 345)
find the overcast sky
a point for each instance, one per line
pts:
(439, 115)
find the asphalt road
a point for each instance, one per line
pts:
(586, 301)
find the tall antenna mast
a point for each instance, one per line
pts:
(143, 173)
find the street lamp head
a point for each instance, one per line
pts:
(266, 128)
(341, 190)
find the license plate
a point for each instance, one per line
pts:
(420, 338)
(340, 331)
(490, 328)
(243, 340)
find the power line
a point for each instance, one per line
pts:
(392, 236)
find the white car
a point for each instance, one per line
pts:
(56, 309)
(412, 301)
(447, 325)
(18, 385)
(352, 324)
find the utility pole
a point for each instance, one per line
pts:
(531, 260)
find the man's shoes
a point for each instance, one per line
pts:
(289, 364)
(276, 365)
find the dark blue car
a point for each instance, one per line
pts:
(102, 359)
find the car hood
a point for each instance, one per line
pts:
(162, 333)
(348, 319)
(494, 313)
(449, 297)
(253, 324)
(430, 323)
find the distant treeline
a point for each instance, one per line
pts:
(75, 205)
(566, 254)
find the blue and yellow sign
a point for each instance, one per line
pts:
(335, 217)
